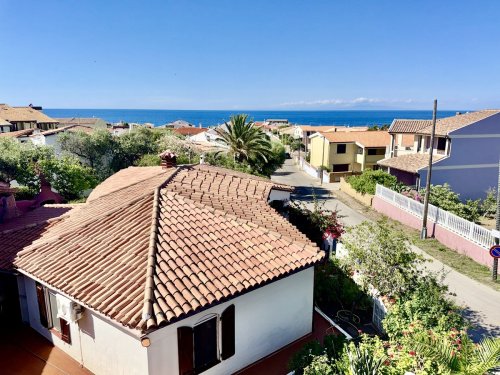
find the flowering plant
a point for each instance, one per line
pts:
(332, 227)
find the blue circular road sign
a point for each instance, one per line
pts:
(495, 251)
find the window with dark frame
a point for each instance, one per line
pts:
(198, 348)
(205, 345)
(376, 151)
(341, 148)
(47, 310)
(340, 167)
(441, 144)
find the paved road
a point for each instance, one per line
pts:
(481, 303)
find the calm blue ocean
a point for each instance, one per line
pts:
(208, 118)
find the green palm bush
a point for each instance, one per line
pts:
(244, 139)
(460, 355)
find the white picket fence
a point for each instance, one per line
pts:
(467, 229)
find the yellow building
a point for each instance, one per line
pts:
(348, 151)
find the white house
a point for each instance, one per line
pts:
(49, 137)
(171, 270)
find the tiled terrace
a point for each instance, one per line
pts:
(276, 363)
(25, 352)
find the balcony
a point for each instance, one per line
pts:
(398, 151)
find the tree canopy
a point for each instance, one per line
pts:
(25, 163)
(244, 139)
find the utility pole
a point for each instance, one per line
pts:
(423, 233)
(494, 271)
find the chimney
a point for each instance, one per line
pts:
(168, 159)
(8, 208)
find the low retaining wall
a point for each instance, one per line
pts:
(346, 188)
(448, 238)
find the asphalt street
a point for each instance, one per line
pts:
(481, 303)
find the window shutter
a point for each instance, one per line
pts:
(65, 331)
(42, 307)
(185, 350)
(228, 332)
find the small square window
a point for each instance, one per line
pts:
(341, 148)
(441, 144)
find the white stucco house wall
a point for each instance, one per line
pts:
(50, 137)
(171, 270)
(266, 320)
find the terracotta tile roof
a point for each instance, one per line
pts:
(4, 122)
(408, 126)
(24, 114)
(168, 245)
(73, 128)
(367, 138)
(348, 129)
(19, 232)
(331, 128)
(84, 121)
(443, 125)
(446, 125)
(410, 162)
(189, 131)
(5, 189)
(311, 128)
(126, 178)
(18, 133)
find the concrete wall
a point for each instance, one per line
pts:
(445, 236)
(266, 319)
(96, 343)
(346, 188)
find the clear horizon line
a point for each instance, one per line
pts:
(261, 110)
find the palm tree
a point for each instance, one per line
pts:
(461, 356)
(244, 139)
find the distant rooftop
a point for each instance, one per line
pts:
(24, 114)
(88, 121)
(376, 138)
(443, 125)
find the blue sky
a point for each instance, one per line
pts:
(255, 54)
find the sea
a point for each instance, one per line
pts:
(208, 118)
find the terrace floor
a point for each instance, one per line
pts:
(276, 363)
(25, 352)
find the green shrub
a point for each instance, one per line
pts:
(427, 306)
(366, 182)
(24, 193)
(227, 161)
(148, 160)
(489, 204)
(304, 356)
(443, 197)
